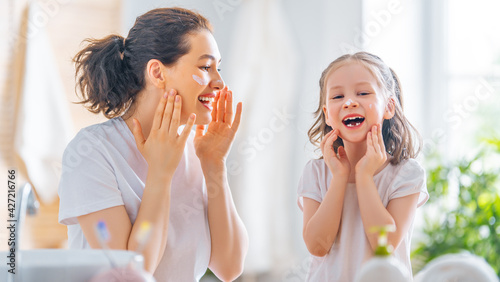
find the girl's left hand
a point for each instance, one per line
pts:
(212, 147)
(375, 155)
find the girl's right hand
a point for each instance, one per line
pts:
(164, 147)
(337, 163)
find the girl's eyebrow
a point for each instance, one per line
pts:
(208, 56)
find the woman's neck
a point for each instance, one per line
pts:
(143, 110)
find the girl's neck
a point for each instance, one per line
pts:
(354, 151)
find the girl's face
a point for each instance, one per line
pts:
(354, 102)
(196, 78)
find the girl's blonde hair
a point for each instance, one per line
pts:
(400, 137)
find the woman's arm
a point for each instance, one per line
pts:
(162, 150)
(322, 220)
(228, 234)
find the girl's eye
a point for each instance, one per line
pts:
(364, 93)
(337, 96)
(205, 68)
(219, 70)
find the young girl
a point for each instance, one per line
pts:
(367, 176)
(139, 166)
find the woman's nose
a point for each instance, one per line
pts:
(350, 104)
(217, 82)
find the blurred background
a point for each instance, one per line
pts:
(446, 53)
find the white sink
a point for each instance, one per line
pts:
(63, 265)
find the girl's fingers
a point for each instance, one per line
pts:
(323, 141)
(381, 138)
(169, 107)
(159, 112)
(187, 129)
(228, 117)
(138, 136)
(221, 106)
(374, 137)
(176, 116)
(237, 118)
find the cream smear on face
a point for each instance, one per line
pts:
(199, 80)
(348, 103)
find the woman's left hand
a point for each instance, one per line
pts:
(375, 155)
(212, 147)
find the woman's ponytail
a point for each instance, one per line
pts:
(103, 77)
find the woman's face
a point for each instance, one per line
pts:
(354, 102)
(196, 77)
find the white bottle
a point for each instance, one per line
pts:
(383, 267)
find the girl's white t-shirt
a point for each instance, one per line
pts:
(351, 247)
(102, 168)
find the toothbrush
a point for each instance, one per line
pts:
(103, 236)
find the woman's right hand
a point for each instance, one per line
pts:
(337, 163)
(164, 147)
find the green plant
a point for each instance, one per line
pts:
(463, 212)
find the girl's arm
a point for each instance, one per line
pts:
(228, 234)
(399, 212)
(322, 220)
(162, 151)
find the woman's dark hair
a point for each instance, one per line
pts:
(110, 71)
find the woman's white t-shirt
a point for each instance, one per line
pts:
(103, 168)
(351, 247)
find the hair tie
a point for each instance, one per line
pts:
(121, 45)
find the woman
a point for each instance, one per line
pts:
(139, 166)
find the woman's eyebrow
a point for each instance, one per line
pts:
(208, 56)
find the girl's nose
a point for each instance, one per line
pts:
(350, 104)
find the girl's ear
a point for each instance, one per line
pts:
(155, 73)
(326, 116)
(390, 108)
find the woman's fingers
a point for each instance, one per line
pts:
(237, 118)
(159, 112)
(200, 129)
(176, 116)
(221, 105)
(214, 106)
(228, 117)
(169, 107)
(187, 129)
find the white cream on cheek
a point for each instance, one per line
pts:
(200, 80)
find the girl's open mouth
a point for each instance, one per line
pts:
(352, 121)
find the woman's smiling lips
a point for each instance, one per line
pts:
(207, 100)
(353, 121)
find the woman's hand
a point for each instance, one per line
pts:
(164, 147)
(375, 155)
(212, 147)
(337, 163)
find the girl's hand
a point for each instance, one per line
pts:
(213, 146)
(337, 163)
(375, 155)
(164, 147)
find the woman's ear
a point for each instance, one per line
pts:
(390, 108)
(155, 73)
(326, 116)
